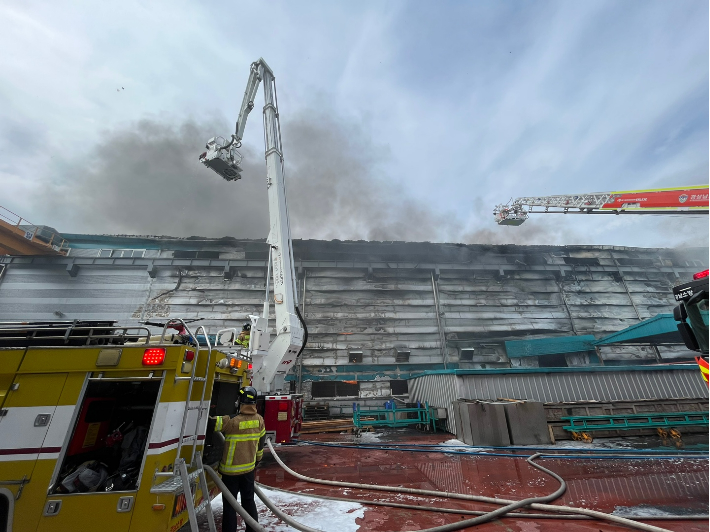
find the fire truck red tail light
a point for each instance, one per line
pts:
(283, 406)
(189, 356)
(701, 275)
(154, 356)
(249, 366)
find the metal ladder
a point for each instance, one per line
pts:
(200, 408)
(180, 477)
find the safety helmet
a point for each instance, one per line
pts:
(246, 327)
(247, 395)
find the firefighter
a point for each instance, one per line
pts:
(243, 338)
(244, 437)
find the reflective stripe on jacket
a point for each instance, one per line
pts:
(244, 437)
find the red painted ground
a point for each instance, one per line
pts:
(672, 485)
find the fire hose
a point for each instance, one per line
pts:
(536, 503)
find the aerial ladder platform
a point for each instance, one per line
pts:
(687, 200)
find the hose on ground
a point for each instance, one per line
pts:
(512, 515)
(226, 494)
(507, 455)
(520, 447)
(485, 517)
(537, 506)
(284, 517)
(510, 507)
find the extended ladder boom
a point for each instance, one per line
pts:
(678, 200)
(280, 355)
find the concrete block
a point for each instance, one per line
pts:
(463, 422)
(527, 423)
(488, 424)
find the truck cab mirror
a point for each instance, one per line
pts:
(679, 313)
(688, 336)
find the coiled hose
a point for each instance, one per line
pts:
(534, 502)
(510, 505)
(459, 511)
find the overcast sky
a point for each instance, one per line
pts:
(401, 120)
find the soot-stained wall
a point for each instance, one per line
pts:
(375, 310)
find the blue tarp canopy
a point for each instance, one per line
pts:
(661, 329)
(549, 346)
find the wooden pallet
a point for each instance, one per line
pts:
(316, 413)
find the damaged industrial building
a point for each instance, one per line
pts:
(379, 313)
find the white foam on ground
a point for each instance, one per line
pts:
(642, 510)
(369, 437)
(601, 443)
(454, 442)
(329, 516)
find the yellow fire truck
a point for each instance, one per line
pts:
(103, 427)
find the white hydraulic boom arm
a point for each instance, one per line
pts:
(222, 157)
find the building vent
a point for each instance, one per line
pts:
(355, 357)
(402, 355)
(466, 354)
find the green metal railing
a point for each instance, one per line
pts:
(391, 416)
(635, 421)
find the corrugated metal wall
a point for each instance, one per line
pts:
(373, 297)
(51, 294)
(441, 389)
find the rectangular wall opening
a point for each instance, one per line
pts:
(334, 389)
(552, 361)
(582, 261)
(399, 387)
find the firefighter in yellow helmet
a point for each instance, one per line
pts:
(244, 437)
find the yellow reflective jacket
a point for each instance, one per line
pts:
(244, 342)
(244, 437)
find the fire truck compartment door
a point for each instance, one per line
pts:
(88, 512)
(32, 431)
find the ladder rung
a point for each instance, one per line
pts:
(199, 379)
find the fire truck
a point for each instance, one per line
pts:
(692, 316)
(107, 427)
(107, 424)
